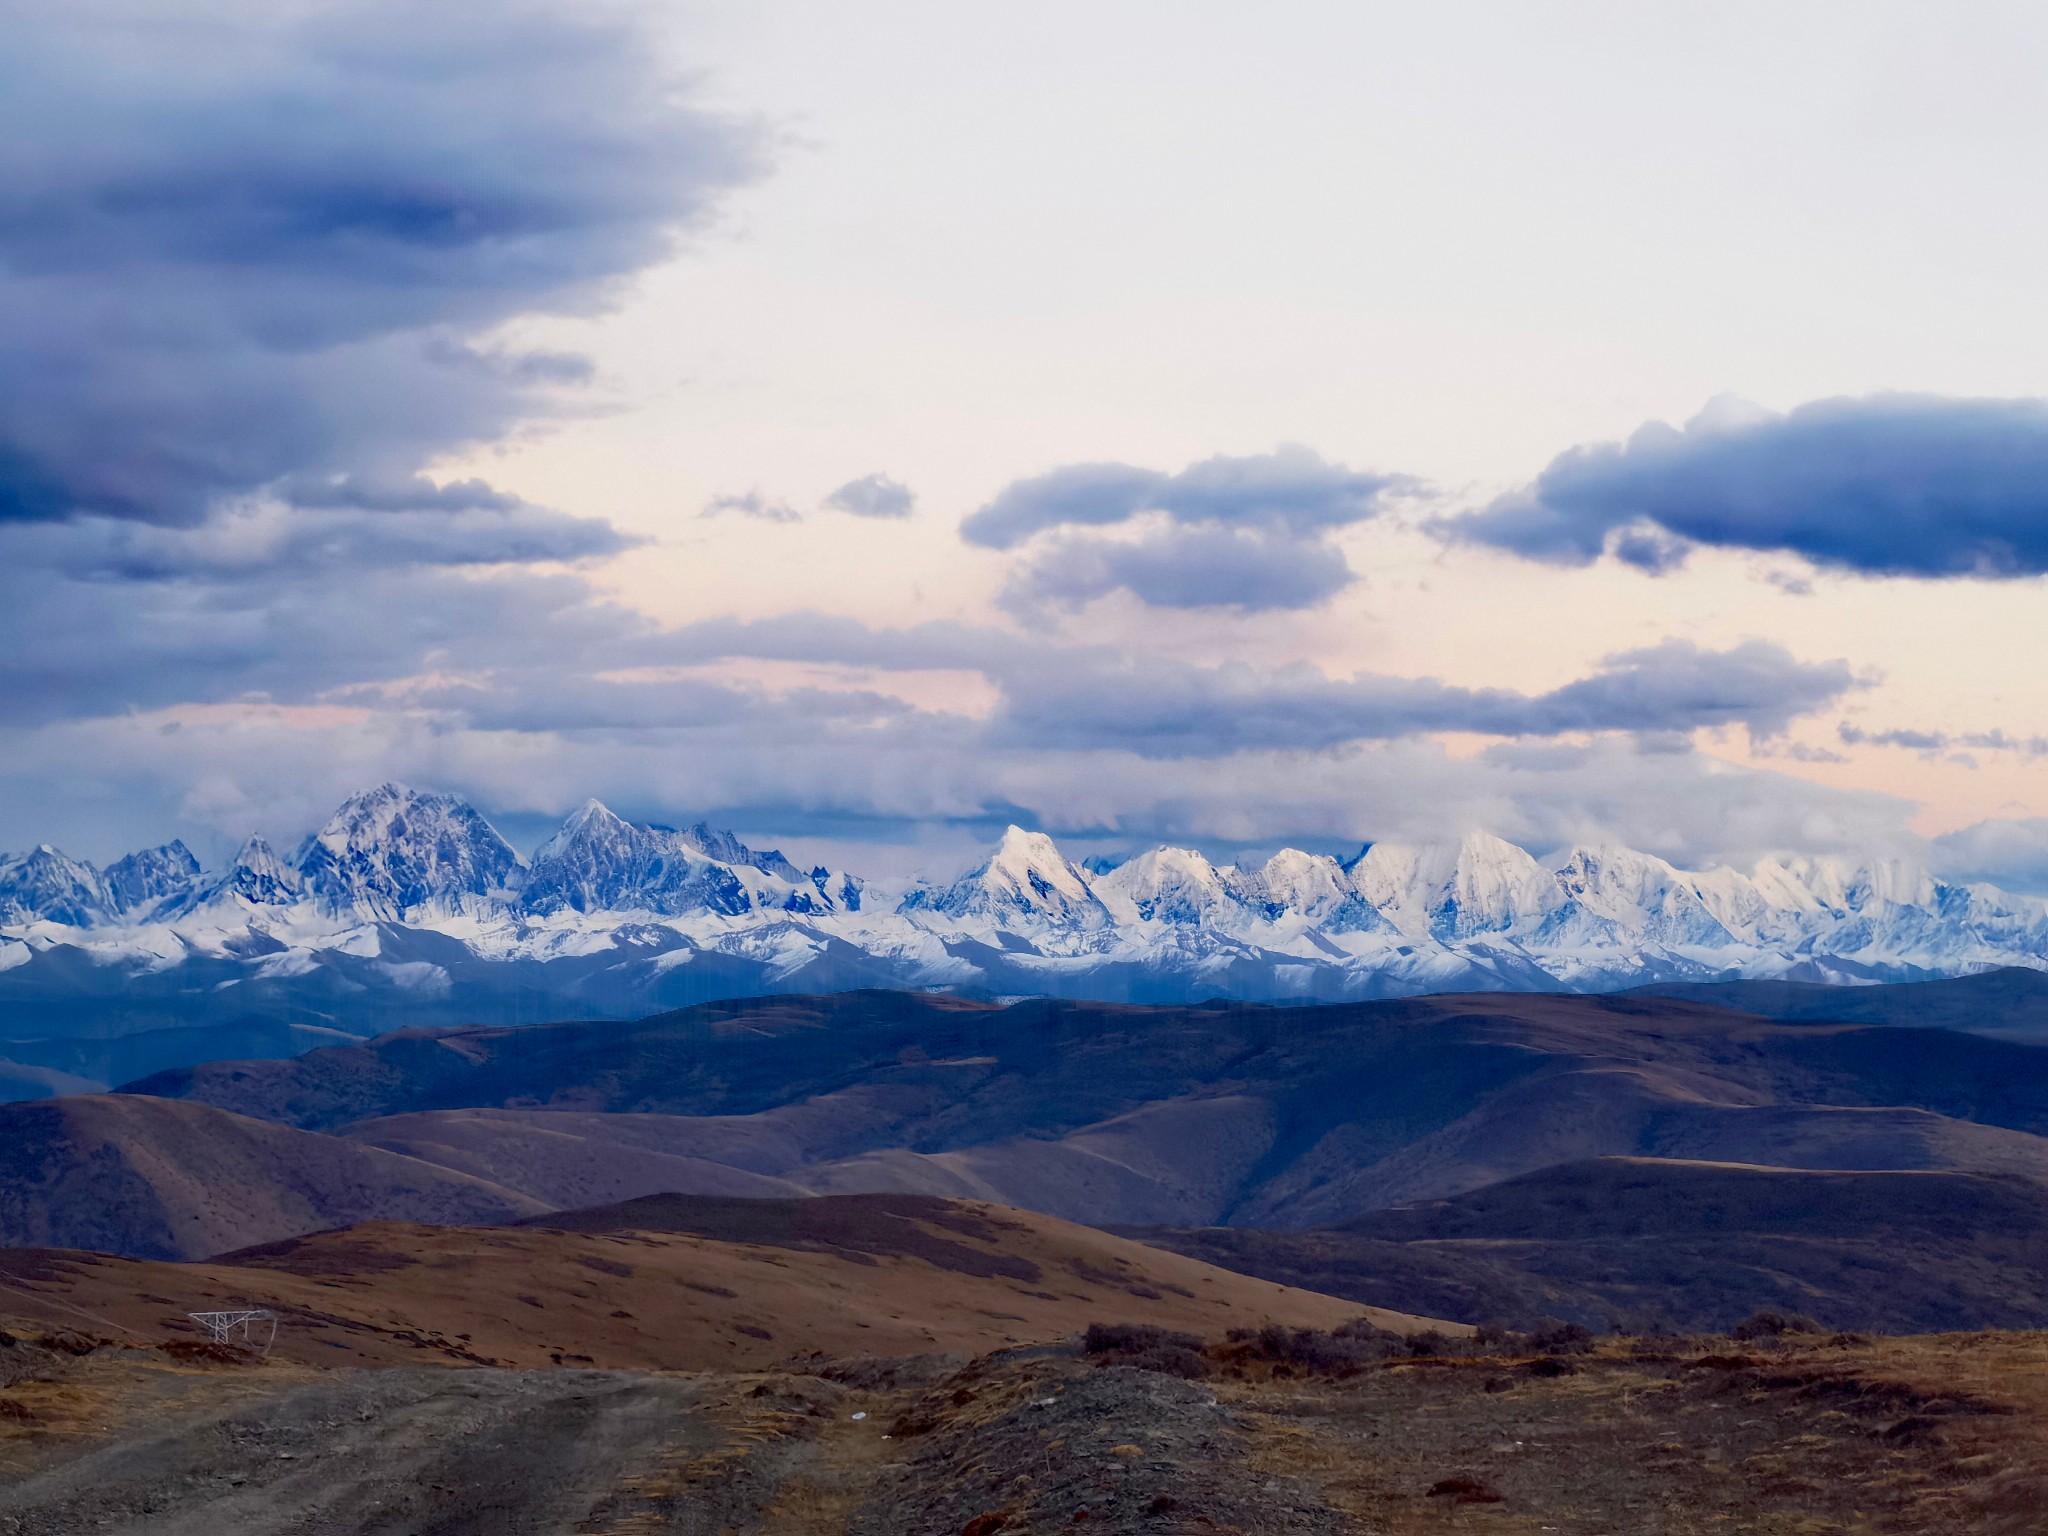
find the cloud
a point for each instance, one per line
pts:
(787, 768)
(1247, 533)
(1945, 741)
(251, 244)
(1678, 685)
(1886, 485)
(1290, 489)
(1174, 567)
(2012, 854)
(1160, 708)
(275, 541)
(752, 504)
(1077, 495)
(873, 495)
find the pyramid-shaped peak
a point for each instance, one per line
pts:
(1021, 842)
(256, 876)
(592, 812)
(1021, 851)
(1025, 877)
(593, 819)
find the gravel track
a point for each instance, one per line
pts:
(382, 1453)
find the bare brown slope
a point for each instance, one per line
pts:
(1685, 1246)
(901, 1277)
(165, 1179)
(1274, 1117)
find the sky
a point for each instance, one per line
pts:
(868, 426)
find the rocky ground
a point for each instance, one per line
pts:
(1811, 1434)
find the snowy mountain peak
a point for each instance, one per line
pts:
(728, 849)
(45, 885)
(1166, 885)
(1026, 880)
(392, 851)
(1481, 885)
(1475, 912)
(599, 862)
(138, 882)
(256, 877)
(1317, 889)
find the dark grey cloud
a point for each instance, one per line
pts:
(246, 245)
(1176, 567)
(1888, 485)
(249, 257)
(278, 542)
(873, 495)
(1291, 489)
(194, 630)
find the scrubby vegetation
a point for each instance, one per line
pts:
(1146, 1348)
(1772, 1325)
(1338, 1352)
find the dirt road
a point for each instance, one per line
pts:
(436, 1452)
(1679, 1438)
(456, 1453)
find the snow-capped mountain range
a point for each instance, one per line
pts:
(412, 899)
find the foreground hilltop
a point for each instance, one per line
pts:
(681, 1283)
(1287, 1433)
(411, 907)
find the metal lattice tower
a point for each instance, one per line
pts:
(238, 1327)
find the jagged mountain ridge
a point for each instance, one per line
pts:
(635, 905)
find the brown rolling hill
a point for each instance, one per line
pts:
(1185, 1116)
(1682, 1246)
(677, 1284)
(160, 1178)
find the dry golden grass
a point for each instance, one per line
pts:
(1809, 1439)
(390, 1294)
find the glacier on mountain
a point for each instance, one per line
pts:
(404, 890)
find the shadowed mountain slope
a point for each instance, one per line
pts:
(155, 1178)
(1226, 1113)
(1683, 1246)
(2012, 1002)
